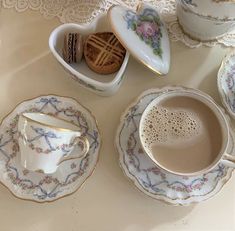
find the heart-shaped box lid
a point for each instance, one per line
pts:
(143, 34)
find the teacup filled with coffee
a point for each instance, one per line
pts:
(185, 133)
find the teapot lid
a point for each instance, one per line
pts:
(143, 34)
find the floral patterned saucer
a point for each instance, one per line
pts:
(151, 180)
(70, 175)
(226, 83)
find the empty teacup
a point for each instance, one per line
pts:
(46, 141)
(185, 133)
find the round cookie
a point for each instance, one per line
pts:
(73, 48)
(103, 52)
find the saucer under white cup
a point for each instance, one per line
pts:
(70, 175)
(151, 180)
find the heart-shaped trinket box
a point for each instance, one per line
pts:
(142, 33)
(104, 85)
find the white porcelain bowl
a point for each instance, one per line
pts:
(200, 27)
(104, 85)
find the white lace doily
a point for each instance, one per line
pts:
(83, 11)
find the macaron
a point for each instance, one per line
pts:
(73, 48)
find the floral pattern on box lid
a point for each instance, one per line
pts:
(143, 34)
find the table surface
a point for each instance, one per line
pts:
(107, 200)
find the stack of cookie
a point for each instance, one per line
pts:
(103, 52)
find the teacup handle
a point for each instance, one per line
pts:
(228, 160)
(85, 150)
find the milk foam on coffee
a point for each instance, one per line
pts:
(169, 126)
(182, 134)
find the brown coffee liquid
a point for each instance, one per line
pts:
(183, 134)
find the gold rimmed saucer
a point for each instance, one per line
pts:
(153, 181)
(69, 177)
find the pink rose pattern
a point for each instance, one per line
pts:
(147, 26)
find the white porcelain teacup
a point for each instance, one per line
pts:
(46, 141)
(206, 20)
(185, 133)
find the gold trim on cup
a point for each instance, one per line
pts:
(48, 125)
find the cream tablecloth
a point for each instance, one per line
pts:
(107, 201)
